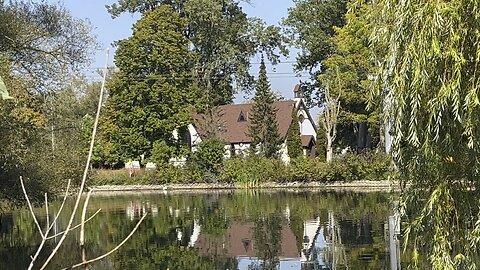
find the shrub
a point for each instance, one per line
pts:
(253, 170)
(303, 169)
(209, 157)
(161, 152)
(366, 166)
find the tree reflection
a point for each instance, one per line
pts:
(268, 240)
(237, 230)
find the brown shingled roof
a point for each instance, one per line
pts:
(235, 131)
(307, 139)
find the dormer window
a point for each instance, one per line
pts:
(242, 117)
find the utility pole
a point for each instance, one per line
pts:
(53, 142)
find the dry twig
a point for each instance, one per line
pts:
(69, 227)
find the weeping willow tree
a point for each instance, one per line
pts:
(430, 94)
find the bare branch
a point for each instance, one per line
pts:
(82, 222)
(61, 206)
(74, 227)
(111, 251)
(31, 208)
(44, 239)
(46, 213)
(85, 172)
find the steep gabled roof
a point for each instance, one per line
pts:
(232, 130)
(307, 140)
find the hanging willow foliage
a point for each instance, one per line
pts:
(430, 91)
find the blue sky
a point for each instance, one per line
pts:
(108, 30)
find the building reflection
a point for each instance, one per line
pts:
(319, 244)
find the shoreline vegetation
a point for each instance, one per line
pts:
(357, 186)
(367, 170)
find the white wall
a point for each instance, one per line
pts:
(240, 149)
(284, 153)
(307, 127)
(195, 137)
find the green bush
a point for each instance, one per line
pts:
(209, 157)
(254, 170)
(302, 169)
(351, 167)
(161, 152)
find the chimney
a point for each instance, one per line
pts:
(298, 91)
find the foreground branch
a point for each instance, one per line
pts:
(111, 251)
(30, 207)
(85, 172)
(76, 226)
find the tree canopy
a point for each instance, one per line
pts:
(310, 26)
(152, 94)
(42, 42)
(349, 73)
(223, 37)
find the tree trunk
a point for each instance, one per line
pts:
(329, 148)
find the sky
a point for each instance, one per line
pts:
(282, 77)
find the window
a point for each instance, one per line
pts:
(241, 117)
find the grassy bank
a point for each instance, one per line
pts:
(255, 171)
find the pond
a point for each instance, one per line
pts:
(297, 229)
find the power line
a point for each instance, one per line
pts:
(252, 63)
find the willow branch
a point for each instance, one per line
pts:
(111, 251)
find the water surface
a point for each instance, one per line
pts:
(220, 230)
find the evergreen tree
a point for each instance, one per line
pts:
(294, 141)
(263, 127)
(151, 95)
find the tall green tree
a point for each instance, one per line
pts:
(151, 95)
(349, 74)
(40, 43)
(431, 96)
(333, 38)
(263, 126)
(310, 26)
(43, 43)
(223, 37)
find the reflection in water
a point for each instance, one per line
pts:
(229, 230)
(393, 239)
